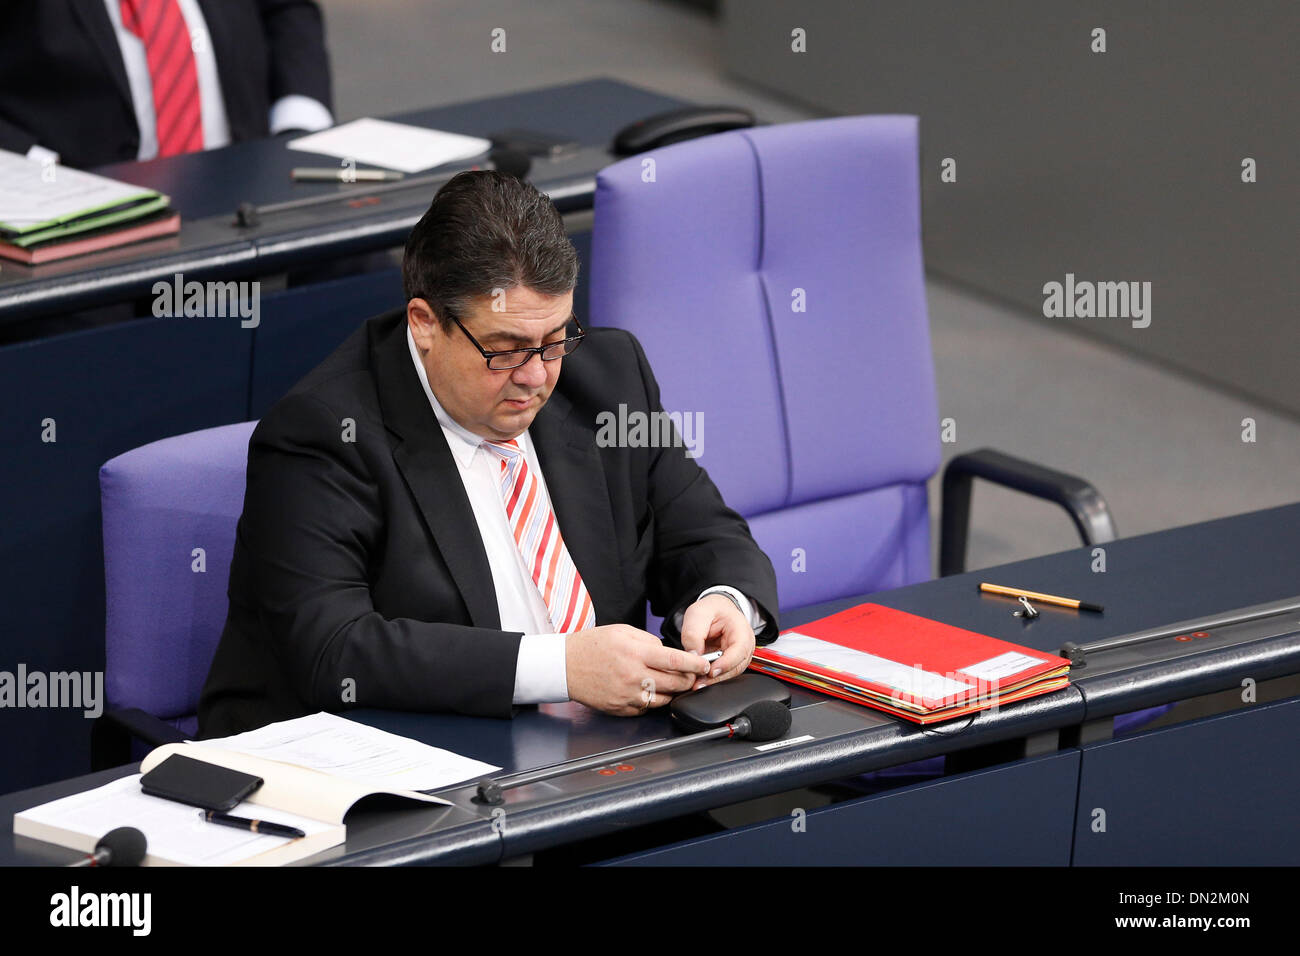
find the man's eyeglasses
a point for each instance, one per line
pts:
(513, 358)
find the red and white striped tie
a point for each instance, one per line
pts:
(175, 78)
(537, 534)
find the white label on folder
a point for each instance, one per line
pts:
(880, 670)
(1002, 666)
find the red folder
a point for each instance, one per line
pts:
(907, 665)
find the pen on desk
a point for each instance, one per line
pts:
(306, 174)
(256, 826)
(1035, 595)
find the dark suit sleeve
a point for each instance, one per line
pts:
(312, 523)
(699, 541)
(295, 39)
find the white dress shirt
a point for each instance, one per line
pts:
(288, 112)
(540, 674)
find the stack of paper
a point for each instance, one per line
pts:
(909, 666)
(392, 145)
(51, 212)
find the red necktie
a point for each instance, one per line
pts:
(538, 537)
(160, 25)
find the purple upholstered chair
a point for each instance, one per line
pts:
(775, 279)
(170, 510)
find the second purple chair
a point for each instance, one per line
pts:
(776, 281)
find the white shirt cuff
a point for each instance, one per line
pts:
(541, 674)
(39, 154)
(299, 112)
(746, 606)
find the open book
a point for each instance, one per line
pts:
(312, 800)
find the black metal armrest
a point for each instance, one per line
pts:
(1084, 503)
(113, 731)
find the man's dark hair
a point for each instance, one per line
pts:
(483, 231)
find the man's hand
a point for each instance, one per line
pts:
(714, 623)
(622, 670)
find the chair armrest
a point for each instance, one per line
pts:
(1085, 504)
(113, 731)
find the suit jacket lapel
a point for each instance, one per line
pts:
(430, 471)
(576, 483)
(95, 21)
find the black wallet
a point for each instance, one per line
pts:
(198, 783)
(717, 704)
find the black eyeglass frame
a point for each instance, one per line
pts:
(570, 345)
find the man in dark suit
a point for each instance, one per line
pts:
(433, 520)
(100, 81)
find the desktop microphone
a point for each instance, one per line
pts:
(511, 162)
(121, 847)
(761, 720)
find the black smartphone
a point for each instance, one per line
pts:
(198, 783)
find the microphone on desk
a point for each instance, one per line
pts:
(511, 162)
(761, 720)
(124, 846)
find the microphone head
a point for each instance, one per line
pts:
(768, 719)
(511, 162)
(125, 844)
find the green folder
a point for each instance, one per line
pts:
(47, 203)
(95, 219)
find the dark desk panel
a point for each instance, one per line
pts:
(108, 390)
(1018, 814)
(1220, 791)
(300, 327)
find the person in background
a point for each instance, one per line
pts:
(90, 82)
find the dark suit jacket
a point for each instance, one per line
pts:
(63, 85)
(361, 561)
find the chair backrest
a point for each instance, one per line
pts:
(170, 511)
(775, 279)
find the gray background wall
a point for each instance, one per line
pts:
(1123, 165)
(1164, 447)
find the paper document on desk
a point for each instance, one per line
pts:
(34, 196)
(344, 748)
(392, 145)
